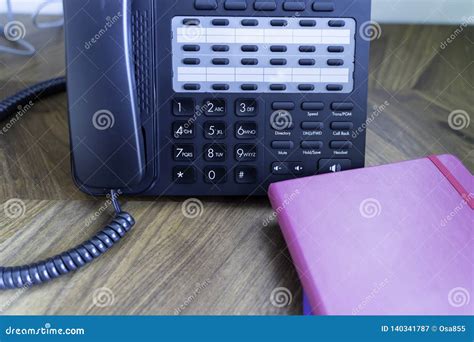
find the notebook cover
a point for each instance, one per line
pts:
(388, 240)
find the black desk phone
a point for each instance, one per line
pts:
(207, 97)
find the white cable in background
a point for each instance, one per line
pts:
(14, 31)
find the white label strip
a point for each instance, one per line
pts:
(197, 34)
(272, 75)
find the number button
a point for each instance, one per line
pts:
(246, 107)
(183, 152)
(215, 152)
(184, 175)
(183, 130)
(246, 130)
(215, 175)
(183, 107)
(214, 107)
(245, 152)
(214, 130)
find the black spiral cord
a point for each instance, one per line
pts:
(75, 258)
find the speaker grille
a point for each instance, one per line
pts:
(141, 40)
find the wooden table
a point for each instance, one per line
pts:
(227, 261)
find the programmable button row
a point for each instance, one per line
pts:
(265, 5)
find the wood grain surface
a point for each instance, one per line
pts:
(228, 260)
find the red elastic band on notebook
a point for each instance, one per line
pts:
(453, 180)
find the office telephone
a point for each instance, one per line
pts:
(209, 97)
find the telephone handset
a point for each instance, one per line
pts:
(205, 97)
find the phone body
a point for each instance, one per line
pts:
(214, 97)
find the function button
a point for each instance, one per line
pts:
(249, 48)
(305, 87)
(183, 106)
(335, 62)
(191, 21)
(191, 86)
(278, 61)
(312, 126)
(278, 22)
(307, 61)
(220, 87)
(278, 87)
(191, 48)
(334, 87)
(191, 61)
(307, 23)
(205, 4)
(220, 48)
(311, 145)
(246, 107)
(183, 130)
(215, 152)
(278, 48)
(249, 87)
(283, 105)
(294, 6)
(249, 61)
(336, 49)
(341, 145)
(282, 145)
(323, 6)
(220, 61)
(184, 174)
(215, 130)
(296, 168)
(334, 165)
(342, 106)
(265, 5)
(342, 126)
(183, 152)
(306, 48)
(312, 106)
(215, 174)
(280, 168)
(235, 5)
(336, 23)
(245, 175)
(246, 130)
(220, 22)
(245, 152)
(215, 107)
(249, 22)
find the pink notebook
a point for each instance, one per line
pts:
(388, 240)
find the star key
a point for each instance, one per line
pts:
(184, 174)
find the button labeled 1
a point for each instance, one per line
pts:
(246, 107)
